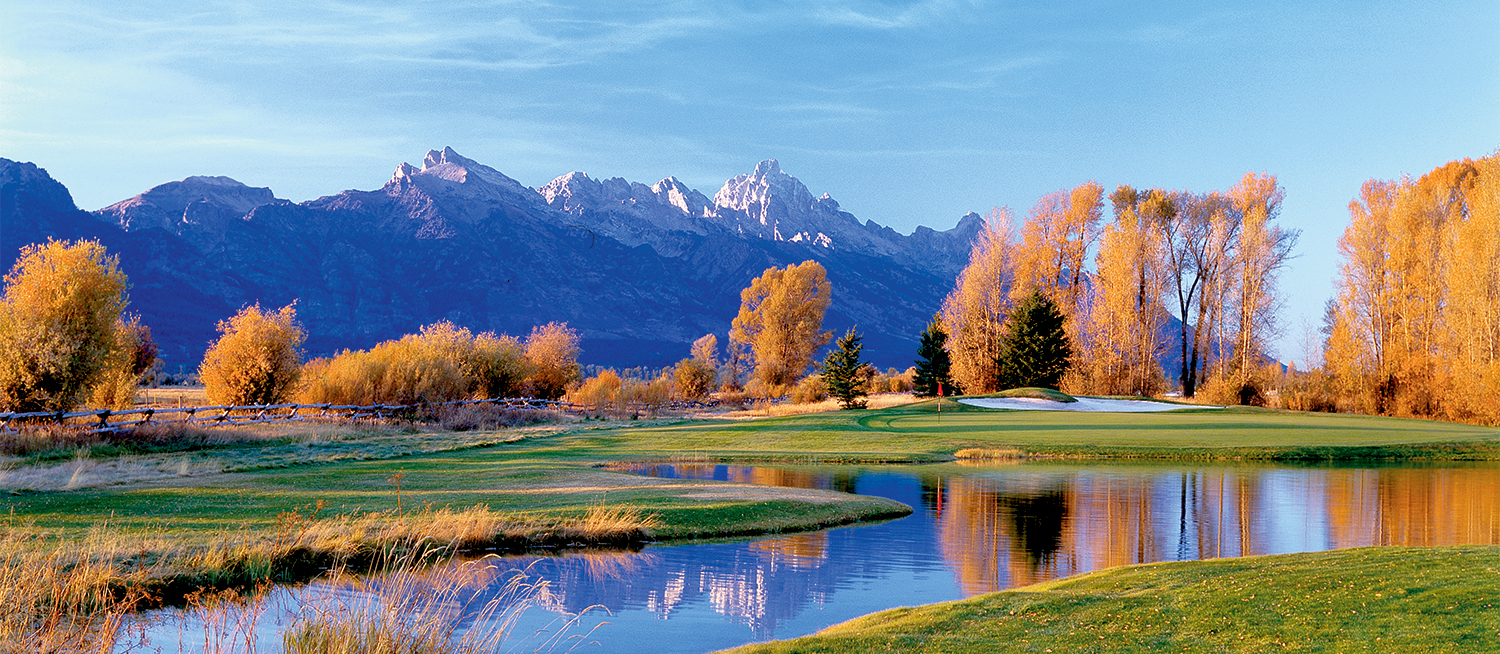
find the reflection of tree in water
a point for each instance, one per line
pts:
(1036, 524)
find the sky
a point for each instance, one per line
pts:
(907, 113)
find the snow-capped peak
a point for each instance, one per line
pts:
(465, 175)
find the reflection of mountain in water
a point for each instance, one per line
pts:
(759, 584)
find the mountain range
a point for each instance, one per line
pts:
(640, 271)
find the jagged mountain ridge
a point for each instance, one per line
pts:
(640, 270)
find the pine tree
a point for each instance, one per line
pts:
(1036, 350)
(934, 364)
(841, 372)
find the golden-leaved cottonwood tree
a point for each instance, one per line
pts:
(1125, 322)
(781, 322)
(1416, 324)
(974, 312)
(60, 324)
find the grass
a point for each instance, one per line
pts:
(56, 604)
(919, 432)
(1369, 599)
(1036, 393)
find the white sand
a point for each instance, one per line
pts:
(1083, 404)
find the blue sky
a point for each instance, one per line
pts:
(908, 113)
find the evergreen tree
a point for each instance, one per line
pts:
(1036, 350)
(934, 364)
(841, 372)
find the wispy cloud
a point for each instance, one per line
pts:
(862, 15)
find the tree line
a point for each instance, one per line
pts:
(1414, 329)
(1211, 260)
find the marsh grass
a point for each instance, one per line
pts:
(989, 454)
(409, 609)
(65, 599)
(108, 573)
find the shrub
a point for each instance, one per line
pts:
(134, 356)
(441, 363)
(552, 350)
(810, 390)
(59, 322)
(601, 392)
(255, 360)
(694, 379)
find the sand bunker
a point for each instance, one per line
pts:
(1083, 404)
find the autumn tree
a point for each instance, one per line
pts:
(1054, 246)
(933, 366)
(1124, 331)
(552, 350)
(1036, 350)
(696, 376)
(781, 320)
(134, 356)
(1417, 319)
(256, 359)
(843, 373)
(1195, 238)
(974, 312)
(1258, 258)
(59, 324)
(1469, 339)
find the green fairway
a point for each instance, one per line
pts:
(1385, 599)
(920, 432)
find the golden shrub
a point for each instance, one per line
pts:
(255, 360)
(59, 322)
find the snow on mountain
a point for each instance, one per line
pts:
(631, 212)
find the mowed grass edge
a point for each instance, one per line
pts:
(1381, 599)
(935, 431)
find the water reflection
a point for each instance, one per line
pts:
(1008, 525)
(981, 529)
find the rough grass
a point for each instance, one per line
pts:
(1036, 393)
(1369, 599)
(90, 575)
(60, 598)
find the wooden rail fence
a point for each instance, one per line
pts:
(102, 420)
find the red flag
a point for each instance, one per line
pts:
(940, 389)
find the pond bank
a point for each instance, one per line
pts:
(1383, 599)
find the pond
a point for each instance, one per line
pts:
(975, 529)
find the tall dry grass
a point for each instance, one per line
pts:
(409, 610)
(444, 362)
(67, 597)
